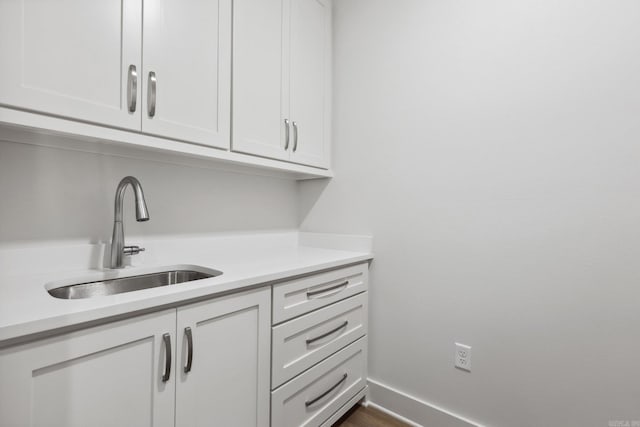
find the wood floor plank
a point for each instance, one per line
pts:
(360, 416)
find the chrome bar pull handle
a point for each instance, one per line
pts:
(333, 387)
(151, 94)
(328, 291)
(286, 134)
(295, 136)
(167, 357)
(132, 88)
(326, 334)
(187, 332)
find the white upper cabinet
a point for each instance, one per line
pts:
(158, 74)
(281, 84)
(187, 70)
(89, 61)
(310, 71)
(76, 59)
(259, 88)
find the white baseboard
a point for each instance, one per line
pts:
(415, 412)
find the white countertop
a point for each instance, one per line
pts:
(246, 260)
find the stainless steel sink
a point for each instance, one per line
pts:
(129, 284)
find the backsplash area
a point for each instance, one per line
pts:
(53, 194)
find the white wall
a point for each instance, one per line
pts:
(52, 194)
(493, 150)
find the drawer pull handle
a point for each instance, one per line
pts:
(167, 357)
(333, 387)
(323, 292)
(187, 332)
(326, 334)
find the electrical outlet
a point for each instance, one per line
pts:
(463, 357)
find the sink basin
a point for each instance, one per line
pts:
(129, 284)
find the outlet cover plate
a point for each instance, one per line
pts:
(463, 357)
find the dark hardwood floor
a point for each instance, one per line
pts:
(360, 416)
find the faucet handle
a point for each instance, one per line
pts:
(132, 250)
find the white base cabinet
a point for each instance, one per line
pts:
(207, 363)
(319, 346)
(309, 339)
(227, 382)
(101, 377)
(127, 373)
(312, 397)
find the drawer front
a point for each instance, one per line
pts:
(301, 343)
(311, 398)
(291, 299)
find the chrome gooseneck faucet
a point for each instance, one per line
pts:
(118, 249)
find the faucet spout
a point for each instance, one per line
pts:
(142, 214)
(118, 250)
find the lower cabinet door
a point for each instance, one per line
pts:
(110, 375)
(224, 361)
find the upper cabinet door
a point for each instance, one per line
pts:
(76, 59)
(110, 375)
(310, 59)
(260, 78)
(224, 354)
(187, 70)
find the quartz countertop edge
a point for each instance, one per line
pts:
(45, 315)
